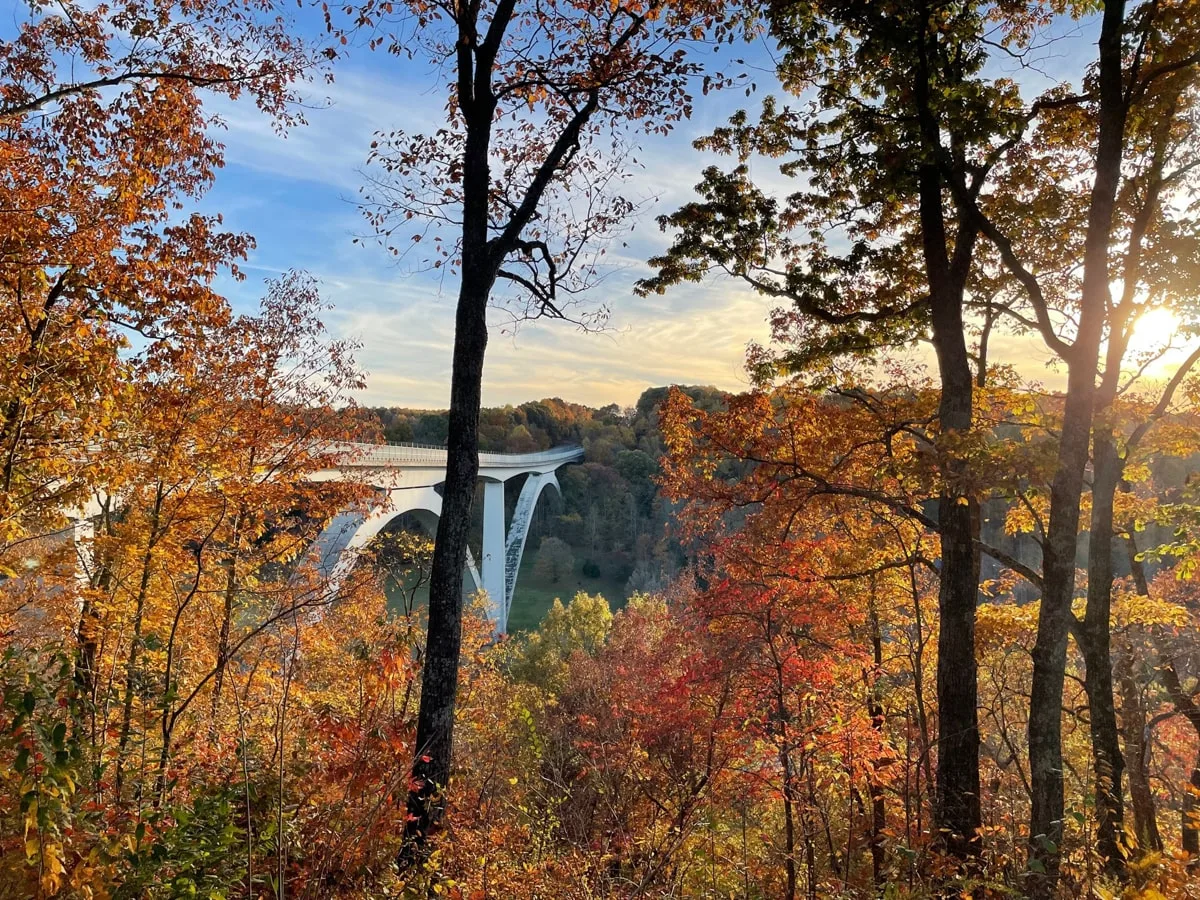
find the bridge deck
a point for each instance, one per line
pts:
(400, 455)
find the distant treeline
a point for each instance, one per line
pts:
(541, 424)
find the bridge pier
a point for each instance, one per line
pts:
(492, 570)
(83, 534)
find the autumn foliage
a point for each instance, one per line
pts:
(886, 581)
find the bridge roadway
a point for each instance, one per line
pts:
(406, 478)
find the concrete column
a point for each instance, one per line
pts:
(493, 552)
(83, 531)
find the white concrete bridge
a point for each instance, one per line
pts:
(406, 478)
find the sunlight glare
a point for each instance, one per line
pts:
(1153, 332)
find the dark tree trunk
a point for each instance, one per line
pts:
(878, 722)
(231, 589)
(482, 254)
(1095, 635)
(87, 637)
(1145, 814)
(1049, 663)
(810, 848)
(1095, 642)
(789, 825)
(1058, 573)
(788, 775)
(1137, 756)
(439, 684)
(957, 806)
(135, 641)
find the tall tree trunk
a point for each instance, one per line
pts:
(788, 774)
(135, 640)
(481, 259)
(1108, 469)
(439, 685)
(790, 795)
(87, 638)
(957, 806)
(878, 722)
(231, 588)
(87, 633)
(1058, 572)
(810, 846)
(1137, 755)
(1095, 642)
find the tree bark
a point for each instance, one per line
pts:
(1096, 643)
(88, 631)
(789, 824)
(481, 258)
(810, 847)
(135, 641)
(1050, 648)
(87, 638)
(439, 685)
(1137, 756)
(231, 589)
(958, 815)
(878, 722)
(1108, 470)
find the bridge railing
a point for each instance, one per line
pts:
(399, 453)
(416, 446)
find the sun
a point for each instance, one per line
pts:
(1153, 332)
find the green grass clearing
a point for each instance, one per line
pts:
(535, 596)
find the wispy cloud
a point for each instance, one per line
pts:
(342, 118)
(407, 332)
(297, 195)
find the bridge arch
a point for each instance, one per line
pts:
(338, 546)
(406, 478)
(518, 531)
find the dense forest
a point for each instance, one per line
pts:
(913, 613)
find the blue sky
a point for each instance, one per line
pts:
(297, 195)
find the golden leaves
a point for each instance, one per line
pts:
(1135, 609)
(1002, 624)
